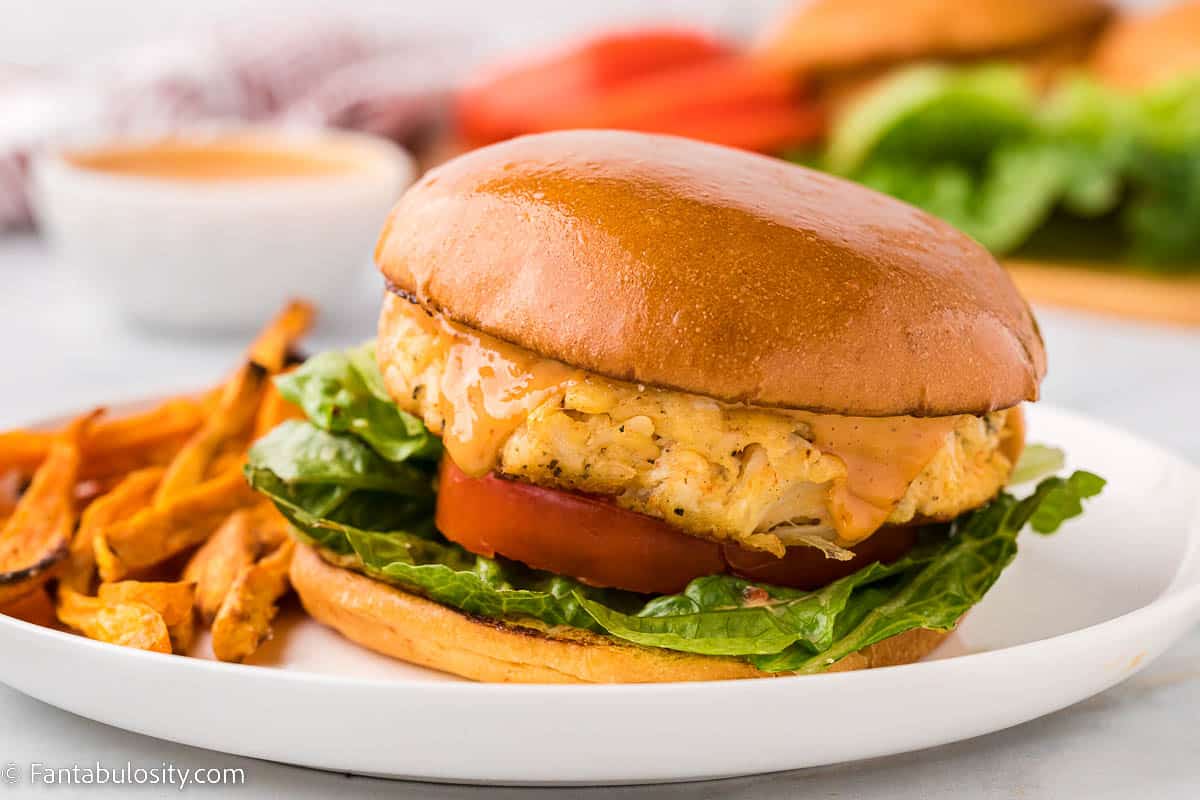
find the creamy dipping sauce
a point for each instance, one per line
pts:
(220, 159)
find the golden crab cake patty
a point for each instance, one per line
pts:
(763, 478)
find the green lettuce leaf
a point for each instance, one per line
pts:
(1163, 214)
(1092, 129)
(998, 202)
(339, 478)
(977, 147)
(973, 147)
(423, 562)
(374, 514)
(1036, 461)
(933, 112)
(343, 392)
(983, 543)
(729, 616)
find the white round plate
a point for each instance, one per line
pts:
(1076, 613)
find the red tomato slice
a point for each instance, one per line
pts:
(808, 568)
(595, 541)
(569, 534)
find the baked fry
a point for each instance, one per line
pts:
(237, 543)
(173, 601)
(125, 499)
(35, 539)
(146, 489)
(36, 607)
(113, 445)
(270, 348)
(216, 565)
(273, 410)
(244, 620)
(230, 459)
(233, 414)
(159, 532)
(270, 527)
(10, 492)
(130, 624)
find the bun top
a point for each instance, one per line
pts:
(671, 262)
(837, 34)
(1144, 50)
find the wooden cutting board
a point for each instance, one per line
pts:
(1109, 290)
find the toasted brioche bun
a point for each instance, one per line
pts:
(828, 35)
(1143, 50)
(684, 265)
(404, 626)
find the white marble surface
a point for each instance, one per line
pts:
(61, 353)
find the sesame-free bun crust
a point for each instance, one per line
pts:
(685, 265)
(404, 626)
(1142, 50)
(840, 34)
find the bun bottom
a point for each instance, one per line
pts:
(388, 620)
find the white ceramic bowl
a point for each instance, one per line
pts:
(221, 254)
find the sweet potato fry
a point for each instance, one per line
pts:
(216, 565)
(273, 410)
(233, 414)
(88, 490)
(157, 533)
(111, 446)
(270, 348)
(131, 624)
(231, 459)
(36, 607)
(245, 535)
(173, 602)
(270, 527)
(244, 620)
(11, 483)
(34, 541)
(125, 499)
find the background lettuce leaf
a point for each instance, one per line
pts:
(999, 202)
(933, 112)
(977, 147)
(1163, 213)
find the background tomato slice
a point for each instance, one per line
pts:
(655, 80)
(506, 99)
(595, 541)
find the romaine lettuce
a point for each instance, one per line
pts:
(342, 391)
(977, 147)
(1036, 461)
